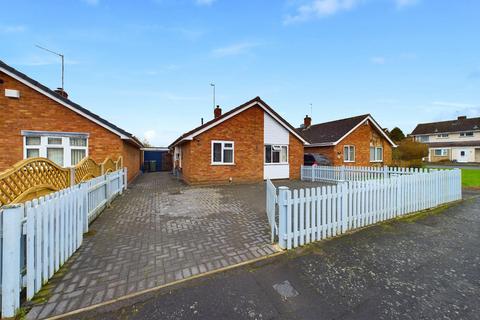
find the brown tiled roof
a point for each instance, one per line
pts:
(68, 101)
(330, 132)
(458, 125)
(474, 143)
(226, 114)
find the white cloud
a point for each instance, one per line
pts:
(405, 3)
(150, 135)
(92, 2)
(12, 29)
(204, 2)
(378, 60)
(234, 49)
(324, 8)
(321, 8)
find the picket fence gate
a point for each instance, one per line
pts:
(350, 173)
(40, 235)
(313, 214)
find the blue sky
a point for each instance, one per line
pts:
(147, 65)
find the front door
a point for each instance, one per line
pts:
(462, 156)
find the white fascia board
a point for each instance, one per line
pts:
(327, 144)
(376, 126)
(28, 84)
(190, 137)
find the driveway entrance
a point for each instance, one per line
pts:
(158, 232)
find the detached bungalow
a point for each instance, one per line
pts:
(356, 141)
(247, 144)
(39, 122)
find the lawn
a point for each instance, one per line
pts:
(470, 178)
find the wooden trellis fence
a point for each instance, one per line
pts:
(36, 177)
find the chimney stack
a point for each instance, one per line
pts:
(462, 117)
(61, 92)
(307, 122)
(217, 112)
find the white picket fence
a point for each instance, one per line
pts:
(271, 207)
(313, 214)
(40, 235)
(349, 173)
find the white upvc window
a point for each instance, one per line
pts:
(466, 134)
(376, 154)
(223, 153)
(348, 153)
(276, 154)
(441, 152)
(442, 135)
(65, 149)
(423, 138)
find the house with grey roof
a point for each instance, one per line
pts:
(453, 140)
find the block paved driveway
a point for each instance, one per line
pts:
(159, 231)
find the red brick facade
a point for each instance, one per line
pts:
(37, 112)
(362, 138)
(246, 130)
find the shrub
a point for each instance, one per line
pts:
(409, 150)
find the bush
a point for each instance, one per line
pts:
(411, 151)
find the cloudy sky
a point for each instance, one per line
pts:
(147, 65)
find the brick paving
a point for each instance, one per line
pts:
(158, 232)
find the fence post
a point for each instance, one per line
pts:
(72, 176)
(385, 172)
(125, 178)
(301, 173)
(282, 216)
(342, 173)
(12, 234)
(84, 187)
(344, 213)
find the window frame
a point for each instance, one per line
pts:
(272, 146)
(64, 145)
(375, 149)
(222, 162)
(443, 152)
(466, 134)
(354, 153)
(442, 135)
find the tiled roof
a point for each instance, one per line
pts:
(226, 114)
(458, 125)
(330, 132)
(67, 101)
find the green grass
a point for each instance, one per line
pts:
(470, 178)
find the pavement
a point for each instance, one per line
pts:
(425, 266)
(474, 166)
(159, 231)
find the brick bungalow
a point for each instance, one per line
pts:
(37, 121)
(249, 143)
(356, 141)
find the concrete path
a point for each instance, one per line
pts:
(427, 267)
(158, 232)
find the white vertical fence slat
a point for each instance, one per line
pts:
(50, 229)
(308, 215)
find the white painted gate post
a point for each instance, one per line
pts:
(385, 172)
(342, 173)
(282, 216)
(84, 188)
(12, 233)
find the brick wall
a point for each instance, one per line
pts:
(246, 131)
(361, 138)
(35, 111)
(132, 158)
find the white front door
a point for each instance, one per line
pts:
(462, 156)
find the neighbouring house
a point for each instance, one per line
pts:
(356, 141)
(249, 143)
(452, 140)
(39, 122)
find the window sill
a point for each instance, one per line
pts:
(276, 164)
(376, 161)
(349, 161)
(221, 164)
